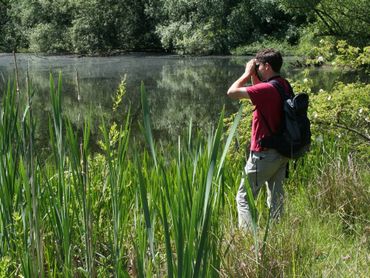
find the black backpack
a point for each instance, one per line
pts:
(294, 137)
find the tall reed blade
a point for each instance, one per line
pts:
(147, 123)
(112, 179)
(63, 188)
(167, 235)
(253, 212)
(215, 149)
(34, 209)
(144, 201)
(78, 156)
(229, 139)
(119, 203)
(9, 133)
(190, 132)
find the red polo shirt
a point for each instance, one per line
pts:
(267, 100)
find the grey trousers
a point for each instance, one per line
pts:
(266, 167)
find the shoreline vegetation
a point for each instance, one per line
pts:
(149, 211)
(133, 210)
(143, 52)
(335, 53)
(183, 27)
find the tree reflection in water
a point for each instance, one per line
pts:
(178, 88)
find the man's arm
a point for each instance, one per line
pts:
(238, 90)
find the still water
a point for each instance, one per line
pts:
(178, 88)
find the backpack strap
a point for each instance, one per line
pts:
(281, 90)
(283, 96)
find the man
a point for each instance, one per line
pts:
(263, 165)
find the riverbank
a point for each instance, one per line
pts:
(133, 210)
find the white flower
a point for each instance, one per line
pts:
(319, 138)
(305, 80)
(360, 111)
(329, 97)
(321, 91)
(320, 59)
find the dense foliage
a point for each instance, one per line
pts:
(188, 27)
(150, 211)
(342, 19)
(154, 211)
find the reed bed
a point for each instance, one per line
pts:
(152, 211)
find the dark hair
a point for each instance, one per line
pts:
(271, 56)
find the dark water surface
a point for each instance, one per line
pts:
(178, 88)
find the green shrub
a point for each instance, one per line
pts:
(86, 37)
(338, 53)
(185, 38)
(253, 48)
(343, 113)
(48, 38)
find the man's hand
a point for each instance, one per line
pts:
(238, 90)
(250, 67)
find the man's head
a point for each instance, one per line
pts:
(271, 57)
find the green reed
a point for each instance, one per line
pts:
(117, 180)
(10, 188)
(62, 234)
(161, 199)
(143, 210)
(31, 182)
(63, 200)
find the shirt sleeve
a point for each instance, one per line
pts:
(258, 92)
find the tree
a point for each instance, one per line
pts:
(105, 25)
(12, 34)
(209, 27)
(343, 19)
(136, 26)
(40, 25)
(93, 26)
(251, 21)
(193, 26)
(4, 18)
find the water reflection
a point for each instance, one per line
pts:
(179, 88)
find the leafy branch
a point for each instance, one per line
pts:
(345, 127)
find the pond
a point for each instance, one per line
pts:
(179, 88)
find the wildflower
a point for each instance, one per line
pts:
(321, 91)
(329, 97)
(360, 111)
(320, 59)
(16, 216)
(346, 258)
(319, 138)
(305, 80)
